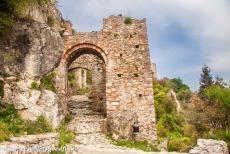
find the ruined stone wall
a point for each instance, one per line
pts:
(40, 144)
(124, 48)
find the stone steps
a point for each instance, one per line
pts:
(88, 125)
(92, 139)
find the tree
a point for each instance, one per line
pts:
(205, 80)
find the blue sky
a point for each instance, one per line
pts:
(183, 34)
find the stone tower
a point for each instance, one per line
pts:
(128, 93)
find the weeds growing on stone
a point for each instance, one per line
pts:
(128, 20)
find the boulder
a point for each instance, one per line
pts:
(121, 124)
(209, 146)
(47, 105)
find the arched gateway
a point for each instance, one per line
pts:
(119, 56)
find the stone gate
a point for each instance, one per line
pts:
(127, 96)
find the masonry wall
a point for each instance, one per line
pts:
(124, 48)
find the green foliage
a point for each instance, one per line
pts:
(71, 79)
(12, 125)
(205, 80)
(39, 126)
(177, 85)
(170, 124)
(4, 132)
(48, 82)
(223, 135)
(181, 144)
(66, 136)
(218, 94)
(50, 21)
(1, 88)
(10, 11)
(34, 85)
(141, 145)
(128, 20)
(5, 23)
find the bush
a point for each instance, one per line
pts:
(4, 132)
(181, 144)
(34, 85)
(5, 23)
(141, 145)
(66, 136)
(47, 82)
(128, 21)
(223, 135)
(41, 125)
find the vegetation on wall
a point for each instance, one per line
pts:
(128, 20)
(48, 82)
(10, 11)
(12, 125)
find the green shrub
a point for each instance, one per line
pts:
(141, 145)
(66, 136)
(39, 126)
(181, 144)
(34, 85)
(50, 21)
(4, 132)
(5, 23)
(128, 20)
(47, 82)
(1, 89)
(12, 125)
(223, 135)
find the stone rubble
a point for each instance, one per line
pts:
(30, 144)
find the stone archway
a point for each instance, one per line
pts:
(90, 57)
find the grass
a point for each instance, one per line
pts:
(34, 85)
(10, 11)
(83, 91)
(5, 23)
(140, 145)
(128, 20)
(47, 82)
(66, 136)
(11, 124)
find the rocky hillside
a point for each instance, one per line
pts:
(30, 48)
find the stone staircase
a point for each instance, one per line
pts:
(88, 125)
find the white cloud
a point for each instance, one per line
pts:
(205, 21)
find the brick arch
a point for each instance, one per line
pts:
(76, 48)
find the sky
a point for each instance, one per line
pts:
(183, 34)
